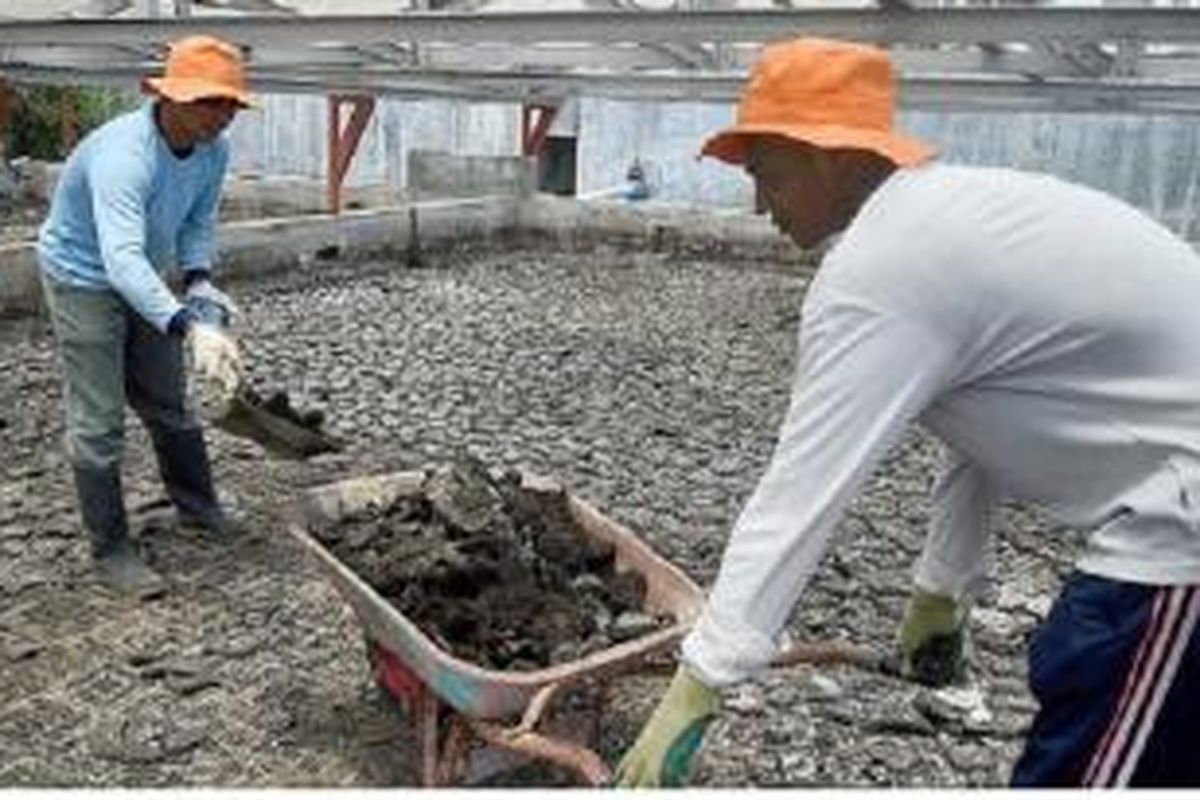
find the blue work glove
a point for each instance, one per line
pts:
(662, 754)
(932, 639)
(209, 304)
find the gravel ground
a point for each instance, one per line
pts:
(650, 383)
(18, 223)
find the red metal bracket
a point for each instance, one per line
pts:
(533, 132)
(342, 144)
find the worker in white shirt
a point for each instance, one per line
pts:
(1049, 335)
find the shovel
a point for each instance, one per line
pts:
(274, 426)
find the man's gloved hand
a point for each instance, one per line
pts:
(931, 639)
(662, 754)
(215, 357)
(209, 304)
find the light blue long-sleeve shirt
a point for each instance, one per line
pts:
(127, 209)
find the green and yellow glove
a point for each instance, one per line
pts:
(662, 754)
(931, 639)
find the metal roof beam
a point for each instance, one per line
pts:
(1087, 59)
(916, 26)
(685, 55)
(101, 8)
(634, 57)
(540, 56)
(1015, 60)
(390, 53)
(250, 6)
(928, 92)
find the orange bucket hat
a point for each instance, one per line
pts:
(826, 93)
(201, 67)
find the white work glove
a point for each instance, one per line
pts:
(217, 364)
(203, 294)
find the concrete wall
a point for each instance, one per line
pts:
(666, 138)
(250, 197)
(462, 197)
(287, 137)
(1151, 162)
(433, 174)
(255, 248)
(658, 226)
(280, 151)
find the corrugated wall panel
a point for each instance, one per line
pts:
(1153, 162)
(288, 136)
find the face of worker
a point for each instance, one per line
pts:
(798, 185)
(203, 120)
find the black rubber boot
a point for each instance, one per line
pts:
(187, 477)
(939, 662)
(103, 510)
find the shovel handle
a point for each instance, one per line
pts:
(822, 653)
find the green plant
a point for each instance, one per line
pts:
(46, 121)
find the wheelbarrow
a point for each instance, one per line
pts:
(455, 704)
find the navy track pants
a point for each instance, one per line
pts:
(1115, 668)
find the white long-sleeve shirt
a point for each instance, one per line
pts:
(1049, 334)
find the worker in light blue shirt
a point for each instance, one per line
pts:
(137, 202)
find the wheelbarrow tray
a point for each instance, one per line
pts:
(472, 690)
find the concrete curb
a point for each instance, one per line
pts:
(254, 248)
(658, 227)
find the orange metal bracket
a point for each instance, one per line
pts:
(533, 132)
(342, 144)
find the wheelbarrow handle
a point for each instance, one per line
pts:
(537, 707)
(582, 760)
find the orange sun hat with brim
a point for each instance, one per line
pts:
(201, 67)
(826, 93)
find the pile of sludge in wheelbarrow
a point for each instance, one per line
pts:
(493, 571)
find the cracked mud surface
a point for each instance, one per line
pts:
(649, 383)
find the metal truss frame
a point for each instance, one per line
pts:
(1043, 58)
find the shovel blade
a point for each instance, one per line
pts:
(247, 418)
